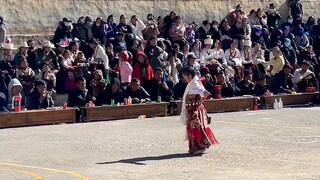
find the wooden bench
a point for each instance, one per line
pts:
(221, 105)
(103, 113)
(37, 117)
(289, 99)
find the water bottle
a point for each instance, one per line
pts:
(280, 104)
(129, 100)
(275, 104)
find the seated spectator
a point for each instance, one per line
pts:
(23, 51)
(237, 14)
(246, 86)
(151, 28)
(124, 28)
(39, 98)
(48, 56)
(137, 27)
(226, 39)
(49, 77)
(7, 64)
(14, 89)
(302, 39)
(282, 82)
(26, 76)
(192, 62)
(257, 37)
(233, 57)
(111, 92)
(310, 56)
(253, 19)
(287, 34)
(190, 34)
(290, 54)
(260, 87)
(247, 55)
(204, 30)
(157, 87)
(238, 33)
(214, 30)
(179, 89)
(80, 96)
(177, 31)
(173, 68)
(142, 69)
(208, 84)
(69, 73)
(3, 103)
(97, 83)
(273, 16)
(303, 77)
(99, 30)
(111, 27)
(63, 30)
(154, 54)
(227, 90)
(259, 67)
(288, 23)
(136, 92)
(196, 49)
(277, 62)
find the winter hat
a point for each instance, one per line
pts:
(116, 81)
(208, 40)
(247, 43)
(257, 30)
(287, 28)
(123, 56)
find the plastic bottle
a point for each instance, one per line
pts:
(275, 104)
(280, 104)
(129, 100)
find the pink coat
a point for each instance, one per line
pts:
(125, 72)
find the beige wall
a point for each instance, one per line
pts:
(42, 16)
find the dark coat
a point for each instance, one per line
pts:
(35, 103)
(78, 98)
(141, 93)
(61, 32)
(106, 95)
(153, 89)
(281, 83)
(245, 89)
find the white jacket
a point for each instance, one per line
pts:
(137, 29)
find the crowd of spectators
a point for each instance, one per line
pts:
(103, 60)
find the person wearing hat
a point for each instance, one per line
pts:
(257, 37)
(290, 54)
(246, 55)
(207, 54)
(282, 82)
(113, 92)
(287, 34)
(14, 89)
(302, 39)
(63, 30)
(26, 76)
(47, 55)
(7, 64)
(39, 98)
(23, 51)
(192, 62)
(245, 86)
(304, 77)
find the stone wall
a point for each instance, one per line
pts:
(42, 16)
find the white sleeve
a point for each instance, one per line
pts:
(141, 25)
(197, 88)
(65, 64)
(102, 54)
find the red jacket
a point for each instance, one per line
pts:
(137, 72)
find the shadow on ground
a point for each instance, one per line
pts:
(141, 160)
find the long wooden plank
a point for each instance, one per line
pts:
(221, 105)
(290, 99)
(37, 117)
(104, 113)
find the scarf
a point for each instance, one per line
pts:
(194, 86)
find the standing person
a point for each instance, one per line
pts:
(194, 114)
(3, 31)
(99, 55)
(295, 8)
(63, 30)
(125, 70)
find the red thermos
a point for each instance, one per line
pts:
(217, 93)
(17, 103)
